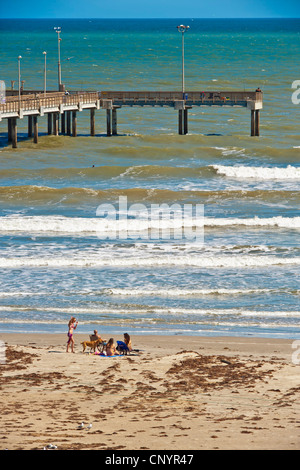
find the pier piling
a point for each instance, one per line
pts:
(9, 125)
(180, 128)
(14, 133)
(35, 130)
(49, 117)
(182, 121)
(92, 121)
(257, 122)
(252, 122)
(108, 122)
(29, 126)
(63, 123)
(68, 122)
(114, 121)
(55, 123)
(185, 121)
(74, 124)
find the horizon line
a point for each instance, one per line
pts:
(156, 18)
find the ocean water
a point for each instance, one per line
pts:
(59, 258)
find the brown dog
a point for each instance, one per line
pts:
(91, 344)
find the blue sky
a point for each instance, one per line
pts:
(150, 9)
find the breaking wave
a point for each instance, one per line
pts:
(163, 260)
(259, 173)
(52, 225)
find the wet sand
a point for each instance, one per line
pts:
(175, 392)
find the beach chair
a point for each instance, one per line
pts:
(122, 347)
(100, 345)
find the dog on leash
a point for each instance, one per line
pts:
(91, 344)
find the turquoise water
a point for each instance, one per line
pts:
(58, 258)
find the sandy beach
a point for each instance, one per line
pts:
(175, 392)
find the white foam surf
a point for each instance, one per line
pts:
(230, 262)
(175, 292)
(281, 222)
(52, 225)
(259, 173)
(132, 311)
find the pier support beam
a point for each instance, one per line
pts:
(74, 124)
(255, 107)
(108, 122)
(92, 121)
(252, 122)
(180, 130)
(68, 122)
(49, 116)
(63, 123)
(29, 126)
(182, 121)
(9, 126)
(185, 121)
(114, 121)
(35, 130)
(14, 133)
(257, 122)
(108, 105)
(55, 123)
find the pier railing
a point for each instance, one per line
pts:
(36, 101)
(49, 100)
(191, 97)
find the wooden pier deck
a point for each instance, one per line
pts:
(59, 106)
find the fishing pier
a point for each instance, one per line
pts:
(62, 108)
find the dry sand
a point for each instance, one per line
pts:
(188, 393)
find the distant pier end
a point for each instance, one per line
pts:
(112, 100)
(61, 108)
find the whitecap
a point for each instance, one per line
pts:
(260, 173)
(228, 262)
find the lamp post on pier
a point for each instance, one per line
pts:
(182, 29)
(19, 78)
(45, 71)
(58, 30)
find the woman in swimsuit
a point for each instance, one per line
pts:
(111, 348)
(127, 341)
(72, 326)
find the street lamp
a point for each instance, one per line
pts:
(58, 30)
(45, 71)
(19, 77)
(182, 29)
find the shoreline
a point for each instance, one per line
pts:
(24, 339)
(173, 392)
